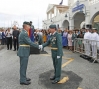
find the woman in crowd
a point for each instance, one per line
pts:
(9, 39)
(69, 37)
(74, 36)
(81, 35)
(0, 36)
(3, 42)
(44, 36)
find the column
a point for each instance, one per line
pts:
(71, 24)
(54, 11)
(50, 15)
(47, 16)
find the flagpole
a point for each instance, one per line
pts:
(61, 13)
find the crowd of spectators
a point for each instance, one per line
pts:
(68, 37)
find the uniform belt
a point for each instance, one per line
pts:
(25, 45)
(54, 48)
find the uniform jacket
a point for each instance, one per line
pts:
(56, 42)
(25, 40)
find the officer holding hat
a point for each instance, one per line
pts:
(57, 52)
(24, 52)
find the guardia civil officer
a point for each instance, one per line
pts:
(57, 52)
(24, 52)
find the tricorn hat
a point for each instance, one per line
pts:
(52, 26)
(27, 23)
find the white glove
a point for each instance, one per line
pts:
(40, 47)
(58, 57)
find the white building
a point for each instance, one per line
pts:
(73, 16)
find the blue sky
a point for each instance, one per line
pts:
(24, 10)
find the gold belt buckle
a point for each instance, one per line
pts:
(25, 45)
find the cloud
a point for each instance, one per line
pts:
(24, 10)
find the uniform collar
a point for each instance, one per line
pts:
(25, 30)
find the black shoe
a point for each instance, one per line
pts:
(55, 81)
(28, 79)
(52, 78)
(7, 49)
(14, 50)
(26, 83)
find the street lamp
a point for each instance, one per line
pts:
(51, 20)
(66, 14)
(45, 24)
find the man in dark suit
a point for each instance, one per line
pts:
(15, 38)
(24, 52)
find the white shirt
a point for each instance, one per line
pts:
(8, 34)
(94, 38)
(87, 37)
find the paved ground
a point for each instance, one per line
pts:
(2, 46)
(81, 73)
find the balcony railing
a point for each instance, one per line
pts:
(91, 2)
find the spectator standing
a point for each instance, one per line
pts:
(74, 36)
(0, 36)
(44, 36)
(3, 37)
(81, 35)
(70, 40)
(9, 39)
(15, 38)
(65, 33)
(64, 40)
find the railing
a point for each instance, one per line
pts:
(93, 2)
(89, 48)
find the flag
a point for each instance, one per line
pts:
(61, 2)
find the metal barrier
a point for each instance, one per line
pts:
(87, 47)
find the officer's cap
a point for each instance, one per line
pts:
(52, 26)
(27, 23)
(94, 28)
(30, 21)
(87, 28)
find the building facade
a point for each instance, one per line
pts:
(76, 15)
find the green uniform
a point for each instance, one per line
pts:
(24, 52)
(56, 50)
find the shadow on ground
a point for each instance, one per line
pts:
(73, 82)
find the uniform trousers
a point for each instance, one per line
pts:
(57, 65)
(9, 42)
(23, 68)
(94, 51)
(16, 44)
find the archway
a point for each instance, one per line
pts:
(78, 19)
(65, 24)
(95, 20)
